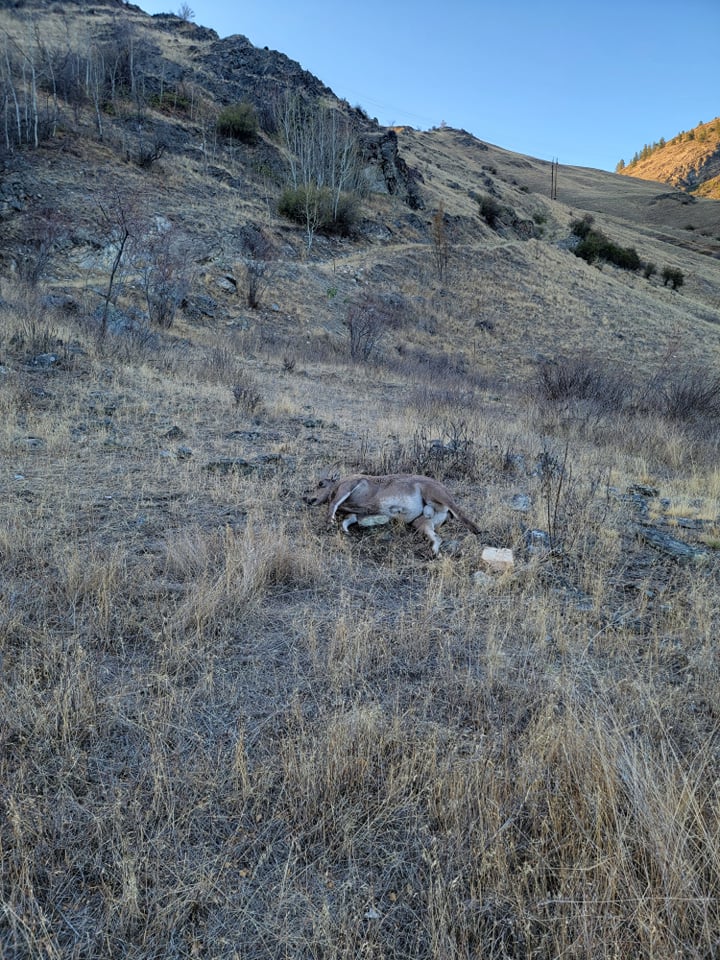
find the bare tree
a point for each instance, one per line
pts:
(367, 321)
(19, 81)
(124, 223)
(95, 79)
(161, 258)
(11, 103)
(45, 228)
(118, 221)
(323, 155)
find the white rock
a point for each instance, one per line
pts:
(498, 559)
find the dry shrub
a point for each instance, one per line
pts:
(585, 379)
(368, 321)
(679, 391)
(450, 452)
(690, 394)
(220, 364)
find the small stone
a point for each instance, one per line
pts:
(643, 490)
(482, 579)
(227, 465)
(44, 360)
(538, 543)
(498, 559)
(451, 547)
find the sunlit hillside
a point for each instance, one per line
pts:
(691, 160)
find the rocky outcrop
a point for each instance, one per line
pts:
(234, 69)
(387, 172)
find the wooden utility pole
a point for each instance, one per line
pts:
(553, 178)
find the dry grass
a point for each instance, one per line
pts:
(228, 733)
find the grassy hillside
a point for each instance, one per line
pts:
(691, 160)
(229, 731)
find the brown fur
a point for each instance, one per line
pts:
(421, 501)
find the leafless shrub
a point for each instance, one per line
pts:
(256, 281)
(257, 264)
(588, 391)
(150, 153)
(367, 321)
(45, 230)
(572, 507)
(449, 452)
(127, 339)
(690, 394)
(163, 260)
(221, 364)
(582, 378)
(247, 397)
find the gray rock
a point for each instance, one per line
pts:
(227, 465)
(643, 490)
(44, 360)
(670, 546)
(537, 542)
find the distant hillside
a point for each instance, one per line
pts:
(691, 160)
(155, 175)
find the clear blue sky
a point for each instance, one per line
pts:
(588, 83)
